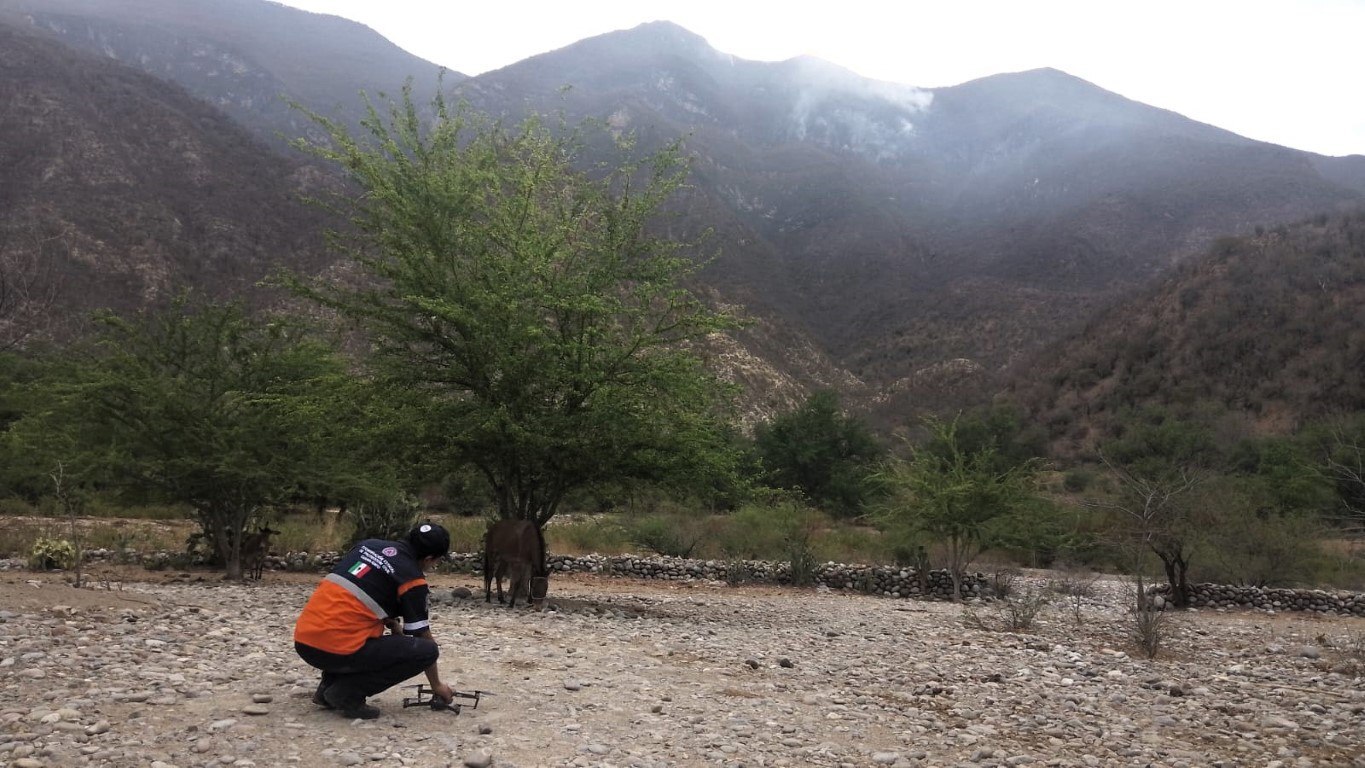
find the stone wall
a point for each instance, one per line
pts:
(883, 580)
(889, 581)
(1271, 598)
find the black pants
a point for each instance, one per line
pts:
(381, 663)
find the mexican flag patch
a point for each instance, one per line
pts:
(359, 570)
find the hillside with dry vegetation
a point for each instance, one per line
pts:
(122, 188)
(1270, 327)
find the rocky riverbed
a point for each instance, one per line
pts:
(194, 672)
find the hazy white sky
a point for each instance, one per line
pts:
(1290, 72)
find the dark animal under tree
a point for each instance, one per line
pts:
(255, 547)
(514, 549)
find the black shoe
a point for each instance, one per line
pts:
(352, 708)
(361, 712)
(319, 699)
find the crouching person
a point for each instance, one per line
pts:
(341, 629)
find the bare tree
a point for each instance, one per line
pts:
(28, 284)
(1153, 518)
(71, 500)
(1076, 587)
(1147, 625)
(1344, 466)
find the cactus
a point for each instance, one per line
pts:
(48, 554)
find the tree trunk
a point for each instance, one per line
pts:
(1182, 579)
(230, 528)
(232, 554)
(1177, 569)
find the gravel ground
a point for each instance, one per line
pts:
(194, 672)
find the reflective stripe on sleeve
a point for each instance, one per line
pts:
(358, 594)
(416, 626)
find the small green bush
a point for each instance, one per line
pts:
(736, 571)
(15, 506)
(668, 535)
(49, 554)
(387, 518)
(755, 532)
(1078, 480)
(1265, 551)
(853, 544)
(781, 531)
(907, 549)
(802, 561)
(1147, 628)
(1015, 612)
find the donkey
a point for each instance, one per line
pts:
(515, 549)
(255, 546)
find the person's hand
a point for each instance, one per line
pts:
(394, 625)
(443, 692)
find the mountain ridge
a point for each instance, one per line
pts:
(908, 234)
(249, 58)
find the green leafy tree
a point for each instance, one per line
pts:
(205, 406)
(43, 433)
(1280, 476)
(1155, 443)
(956, 496)
(19, 475)
(1262, 522)
(1251, 539)
(821, 452)
(526, 303)
(1000, 427)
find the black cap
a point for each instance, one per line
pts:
(429, 540)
